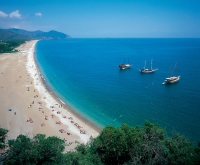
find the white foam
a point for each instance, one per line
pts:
(61, 101)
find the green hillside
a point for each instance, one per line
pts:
(20, 34)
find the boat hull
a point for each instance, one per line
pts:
(124, 66)
(172, 80)
(147, 71)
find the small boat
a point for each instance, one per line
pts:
(124, 66)
(172, 78)
(144, 70)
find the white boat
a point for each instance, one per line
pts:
(173, 78)
(124, 66)
(145, 70)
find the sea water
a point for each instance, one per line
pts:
(84, 74)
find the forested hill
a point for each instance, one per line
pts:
(20, 34)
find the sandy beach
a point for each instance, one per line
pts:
(27, 107)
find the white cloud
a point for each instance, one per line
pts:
(15, 14)
(2, 14)
(38, 14)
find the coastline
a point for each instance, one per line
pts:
(66, 106)
(33, 108)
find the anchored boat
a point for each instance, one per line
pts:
(125, 66)
(173, 78)
(145, 70)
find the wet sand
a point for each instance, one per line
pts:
(27, 107)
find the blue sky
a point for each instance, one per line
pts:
(105, 18)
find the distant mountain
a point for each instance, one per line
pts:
(20, 34)
(9, 35)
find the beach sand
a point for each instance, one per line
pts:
(27, 107)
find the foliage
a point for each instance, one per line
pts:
(39, 150)
(147, 145)
(3, 133)
(126, 145)
(196, 156)
(180, 150)
(9, 46)
(111, 146)
(84, 155)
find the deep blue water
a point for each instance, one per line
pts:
(85, 74)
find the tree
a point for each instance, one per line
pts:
(126, 145)
(39, 150)
(9, 46)
(179, 150)
(196, 157)
(19, 152)
(111, 146)
(148, 145)
(3, 134)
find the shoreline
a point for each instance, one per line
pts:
(34, 109)
(66, 106)
(49, 92)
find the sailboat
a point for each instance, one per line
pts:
(173, 78)
(125, 66)
(144, 70)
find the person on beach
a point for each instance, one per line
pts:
(62, 131)
(82, 132)
(70, 118)
(30, 120)
(58, 122)
(42, 125)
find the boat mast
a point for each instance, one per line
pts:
(144, 64)
(174, 69)
(151, 63)
(170, 71)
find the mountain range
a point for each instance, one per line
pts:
(20, 34)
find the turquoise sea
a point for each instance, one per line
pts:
(84, 73)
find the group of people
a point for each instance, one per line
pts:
(78, 126)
